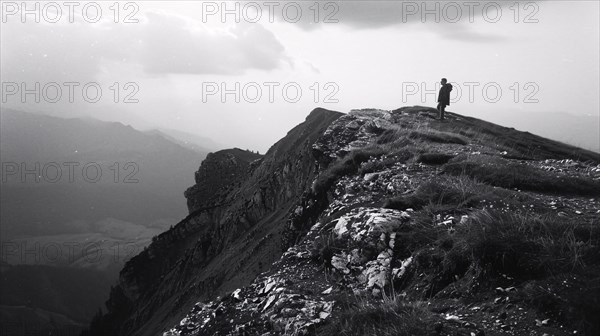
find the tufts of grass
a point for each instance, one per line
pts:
(350, 164)
(394, 155)
(395, 136)
(528, 245)
(324, 248)
(389, 317)
(404, 136)
(445, 191)
(438, 136)
(505, 174)
(556, 259)
(379, 165)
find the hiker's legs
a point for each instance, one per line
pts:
(441, 109)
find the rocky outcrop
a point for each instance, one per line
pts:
(219, 174)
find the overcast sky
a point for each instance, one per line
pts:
(178, 56)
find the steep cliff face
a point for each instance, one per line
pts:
(381, 223)
(239, 210)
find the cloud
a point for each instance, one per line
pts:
(453, 20)
(160, 44)
(175, 45)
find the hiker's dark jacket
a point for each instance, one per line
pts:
(444, 96)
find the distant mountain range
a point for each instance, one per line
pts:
(143, 174)
(66, 236)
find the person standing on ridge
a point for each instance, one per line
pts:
(444, 97)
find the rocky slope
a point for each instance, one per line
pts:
(390, 223)
(239, 207)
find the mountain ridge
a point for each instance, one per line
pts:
(345, 209)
